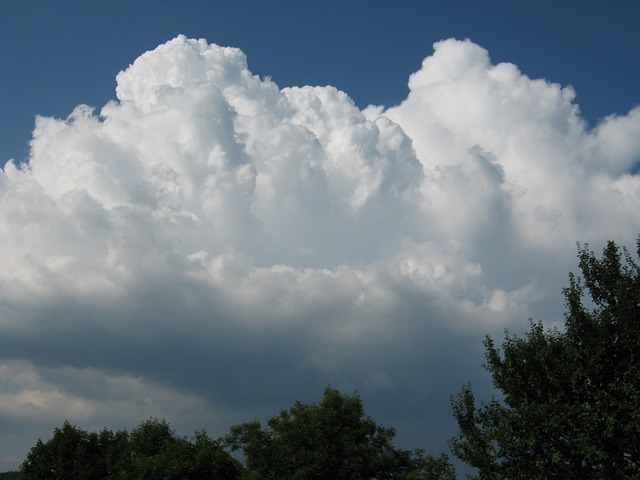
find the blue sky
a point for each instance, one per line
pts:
(356, 193)
(58, 55)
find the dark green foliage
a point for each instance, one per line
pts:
(570, 404)
(72, 453)
(157, 453)
(10, 476)
(115, 452)
(209, 460)
(331, 440)
(151, 451)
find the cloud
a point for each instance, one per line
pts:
(210, 243)
(33, 393)
(539, 164)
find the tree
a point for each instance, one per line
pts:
(570, 399)
(152, 451)
(157, 453)
(114, 452)
(10, 475)
(331, 440)
(72, 453)
(209, 460)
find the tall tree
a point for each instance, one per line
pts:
(330, 440)
(570, 399)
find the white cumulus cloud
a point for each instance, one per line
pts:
(213, 242)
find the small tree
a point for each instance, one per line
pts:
(331, 440)
(570, 403)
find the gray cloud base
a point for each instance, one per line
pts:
(210, 247)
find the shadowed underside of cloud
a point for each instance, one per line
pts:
(209, 247)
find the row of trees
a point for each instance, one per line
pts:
(151, 451)
(569, 407)
(334, 439)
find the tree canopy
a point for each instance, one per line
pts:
(569, 404)
(13, 475)
(330, 440)
(151, 451)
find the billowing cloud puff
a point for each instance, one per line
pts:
(216, 244)
(524, 147)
